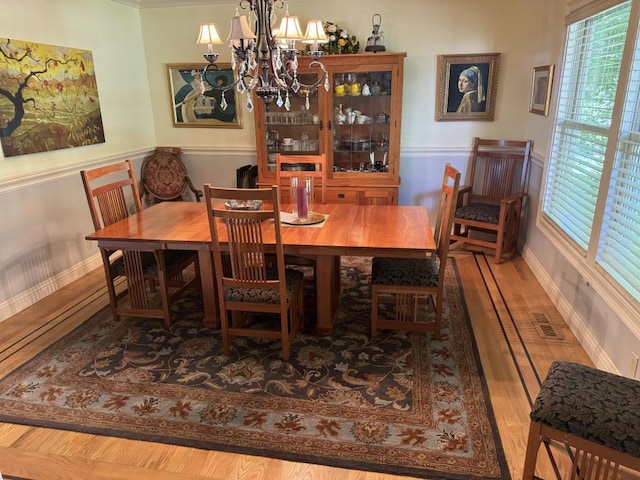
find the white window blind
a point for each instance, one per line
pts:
(593, 55)
(619, 244)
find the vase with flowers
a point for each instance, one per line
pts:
(339, 40)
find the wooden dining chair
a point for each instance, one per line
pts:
(411, 281)
(490, 205)
(246, 176)
(314, 166)
(112, 194)
(247, 281)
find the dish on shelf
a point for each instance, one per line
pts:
(357, 144)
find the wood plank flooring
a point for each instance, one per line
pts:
(518, 330)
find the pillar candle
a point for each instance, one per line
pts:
(302, 201)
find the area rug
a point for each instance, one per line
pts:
(398, 403)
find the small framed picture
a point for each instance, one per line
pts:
(466, 86)
(541, 89)
(203, 98)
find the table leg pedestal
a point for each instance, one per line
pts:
(207, 282)
(327, 291)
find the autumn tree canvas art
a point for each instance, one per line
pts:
(48, 98)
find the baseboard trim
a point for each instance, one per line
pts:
(49, 286)
(576, 324)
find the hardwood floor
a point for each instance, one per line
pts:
(517, 328)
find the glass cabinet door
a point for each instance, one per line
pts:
(294, 131)
(361, 119)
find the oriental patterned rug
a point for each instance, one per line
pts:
(397, 403)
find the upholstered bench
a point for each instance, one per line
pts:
(595, 414)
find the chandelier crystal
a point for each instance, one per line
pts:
(264, 59)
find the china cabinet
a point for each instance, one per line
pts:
(356, 123)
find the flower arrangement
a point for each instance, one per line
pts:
(339, 40)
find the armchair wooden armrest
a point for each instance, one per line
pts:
(196, 192)
(464, 194)
(514, 198)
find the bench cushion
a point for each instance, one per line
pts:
(592, 404)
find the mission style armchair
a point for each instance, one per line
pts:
(490, 205)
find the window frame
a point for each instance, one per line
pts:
(612, 293)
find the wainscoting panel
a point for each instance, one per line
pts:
(45, 218)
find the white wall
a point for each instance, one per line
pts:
(422, 28)
(44, 214)
(112, 33)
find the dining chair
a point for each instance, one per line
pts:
(412, 281)
(246, 176)
(491, 204)
(314, 166)
(112, 194)
(164, 177)
(246, 280)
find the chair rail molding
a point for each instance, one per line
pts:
(31, 179)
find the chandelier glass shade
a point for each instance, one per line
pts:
(264, 59)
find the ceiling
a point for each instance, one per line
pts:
(172, 3)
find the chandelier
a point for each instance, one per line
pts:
(264, 59)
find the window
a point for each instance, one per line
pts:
(592, 190)
(618, 250)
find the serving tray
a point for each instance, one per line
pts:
(291, 219)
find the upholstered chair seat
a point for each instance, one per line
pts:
(593, 404)
(481, 212)
(172, 258)
(404, 272)
(293, 280)
(594, 414)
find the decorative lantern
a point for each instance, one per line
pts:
(375, 43)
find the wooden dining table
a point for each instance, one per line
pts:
(349, 230)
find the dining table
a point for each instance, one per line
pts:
(348, 230)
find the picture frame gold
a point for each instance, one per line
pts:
(195, 100)
(541, 86)
(454, 104)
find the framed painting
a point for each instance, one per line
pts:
(541, 89)
(203, 98)
(48, 98)
(466, 86)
